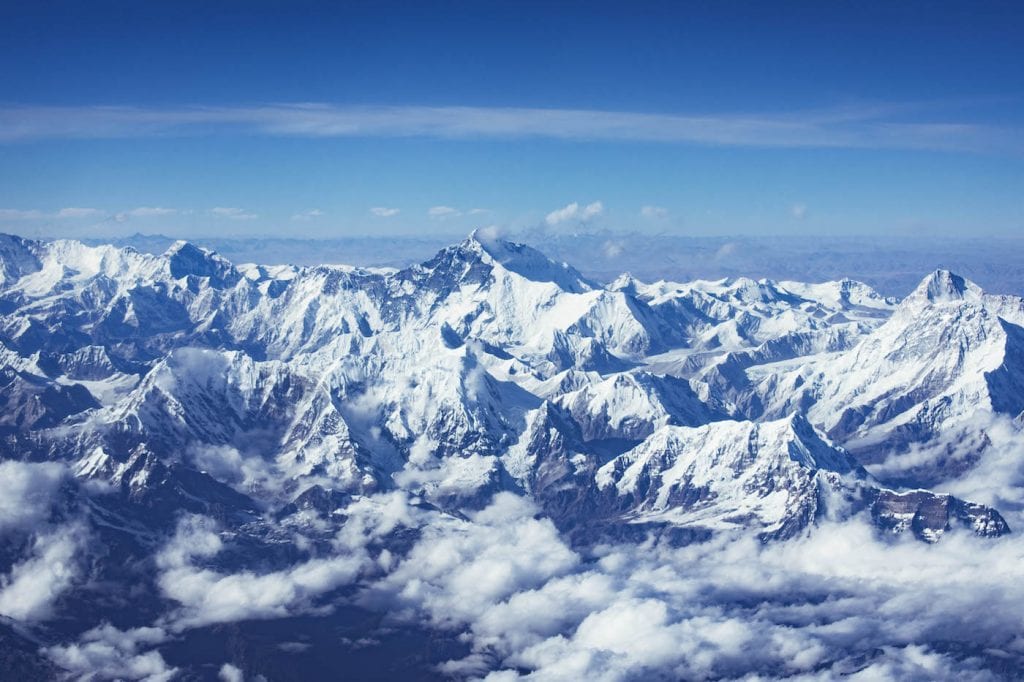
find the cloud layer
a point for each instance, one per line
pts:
(841, 601)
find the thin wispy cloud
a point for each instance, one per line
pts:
(151, 211)
(384, 212)
(613, 248)
(653, 212)
(798, 211)
(233, 213)
(143, 212)
(305, 216)
(78, 213)
(443, 212)
(20, 214)
(875, 126)
(73, 212)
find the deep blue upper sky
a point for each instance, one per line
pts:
(718, 117)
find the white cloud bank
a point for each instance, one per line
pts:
(384, 211)
(842, 601)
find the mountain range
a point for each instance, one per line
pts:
(288, 405)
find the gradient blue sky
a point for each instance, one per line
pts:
(260, 118)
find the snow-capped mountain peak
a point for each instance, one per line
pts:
(186, 259)
(526, 262)
(943, 286)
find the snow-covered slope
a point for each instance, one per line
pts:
(949, 359)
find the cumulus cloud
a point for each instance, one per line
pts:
(26, 493)
(490, 233)
(451, 476)
(32, 587)
(653, 212)
(574, 212)
(384, 212)
(233, 213)
(371, 518)
(462, 568)
(230, 673)
(840, 601)
(108, 653)
(229, 465)
(996, 479)
(207, 596)
(49, 567)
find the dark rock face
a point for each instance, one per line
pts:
(928, 515)
(17, 258)
(188, 260)
(318, 500)
(27, 403)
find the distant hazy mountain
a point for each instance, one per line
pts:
(891, 265)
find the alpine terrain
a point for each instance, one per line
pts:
(488, 464)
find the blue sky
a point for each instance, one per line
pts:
(311, 119)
